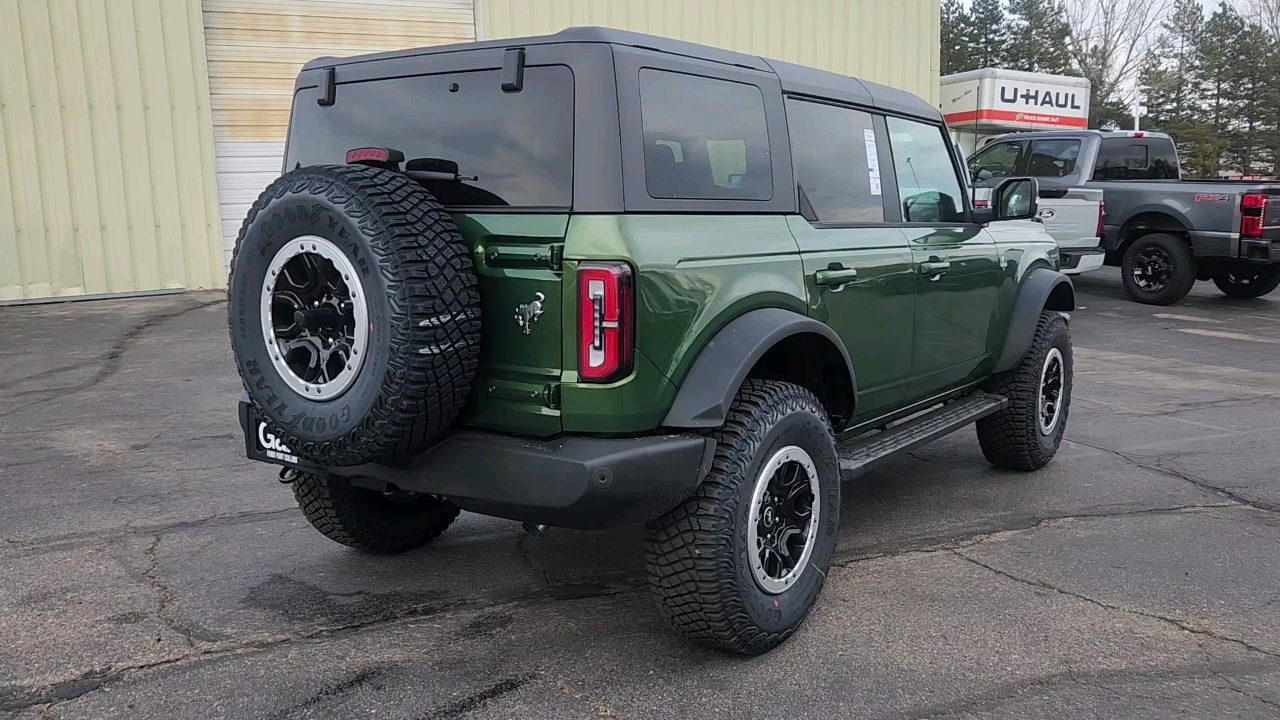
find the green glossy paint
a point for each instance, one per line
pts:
(515, 259)
(915, 334)
(874, 313)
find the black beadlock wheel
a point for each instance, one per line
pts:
(740, 564)
(1026, 435)
(354, 313)
(383, 523)
(1249, 281)
(1158, 269)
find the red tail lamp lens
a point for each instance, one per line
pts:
(606, 320)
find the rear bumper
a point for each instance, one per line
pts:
(1264, 251)
(1075, 262)
(576, 482)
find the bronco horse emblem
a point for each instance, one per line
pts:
(528, 314)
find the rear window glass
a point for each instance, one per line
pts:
(1053, 158)
(518, 147)
(837, 162)
(704, 139)
(1127, 159)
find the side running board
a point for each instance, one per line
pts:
(861, 453)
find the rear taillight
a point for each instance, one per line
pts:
(1102, 218)
(606, 321)
(1253, 212)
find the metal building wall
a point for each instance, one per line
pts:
(106, 149)
(894, 42)
(257, 47)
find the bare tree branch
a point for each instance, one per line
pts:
(1267, 14)
(1109, 39)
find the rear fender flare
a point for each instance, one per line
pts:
(723, 364)
(1043, 289)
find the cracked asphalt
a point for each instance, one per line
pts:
(148, 571)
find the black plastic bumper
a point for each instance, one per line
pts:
(1267, 251)
(576, 482)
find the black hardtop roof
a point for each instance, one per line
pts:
(797, 79)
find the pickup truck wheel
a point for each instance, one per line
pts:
(1248, 282)
(1026, 435)
(354, 313)
(384, 523)
(1158, 269)
(740, 564)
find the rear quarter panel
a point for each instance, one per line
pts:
(694, 274)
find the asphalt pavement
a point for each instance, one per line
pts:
(147, 570)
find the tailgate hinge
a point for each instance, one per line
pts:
(551, 395)
(555, 257)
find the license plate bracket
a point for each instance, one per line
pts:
(263, 444)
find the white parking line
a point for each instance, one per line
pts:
(1229, 335)
(1192, 318)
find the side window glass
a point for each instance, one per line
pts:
(998, 161)
(1053, 158)
(927, 181)
(1123, 159)
(836, 161)
(704, 139)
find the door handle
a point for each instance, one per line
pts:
(835, 277)
(935, 269)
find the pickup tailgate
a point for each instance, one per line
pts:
(1070, 215)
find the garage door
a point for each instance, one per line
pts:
(255, 49)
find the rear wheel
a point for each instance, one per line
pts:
(740, 564)
(1158, 269)
(1250, 281)
(377, 522)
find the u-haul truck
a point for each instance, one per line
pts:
(984, 103)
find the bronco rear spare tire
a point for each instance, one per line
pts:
(354, 313)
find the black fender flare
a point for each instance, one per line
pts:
(712, 382)
(1043, 289)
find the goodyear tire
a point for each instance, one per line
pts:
(1026, 435)
(382, 523)
(354, 313)
(740, 564)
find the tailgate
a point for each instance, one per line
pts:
(1070, 215)
(518, 262)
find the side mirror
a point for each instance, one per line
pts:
(1016, 199)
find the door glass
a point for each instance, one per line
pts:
(1124, 159)
(1053, 158)
(703, 138)
(836, 162)
(997, 161)
(928, 184)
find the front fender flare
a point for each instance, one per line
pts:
(1043, 289)
(711, 384)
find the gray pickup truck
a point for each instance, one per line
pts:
(1165, 232)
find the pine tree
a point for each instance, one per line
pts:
(1039, 37)
(956, 47)
(1218, 55)
(987, 28)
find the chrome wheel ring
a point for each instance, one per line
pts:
(1050, 396)
(782, 526)
(314, 319)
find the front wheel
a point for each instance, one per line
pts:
(1026, 435)
(1158, 269)
(1249, 281)
(740, 564)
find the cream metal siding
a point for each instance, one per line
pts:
(106, 155)
(256, 48)
(894, 42)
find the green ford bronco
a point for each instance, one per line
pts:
(598, 278)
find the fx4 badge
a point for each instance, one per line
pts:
(528, 314)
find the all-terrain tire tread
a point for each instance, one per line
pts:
(1010, 437)
(328, 504)
(428, 272)
(689, 552)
